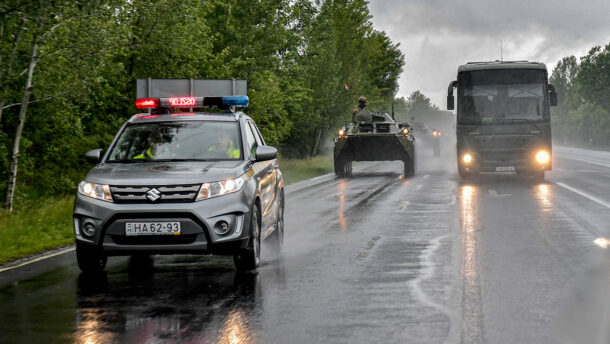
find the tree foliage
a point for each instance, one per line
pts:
(583, 89)
(297, 56)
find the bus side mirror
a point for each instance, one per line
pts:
(552, 95)
(94, 156)
(450, 99)
(450, 102)
(553, 98)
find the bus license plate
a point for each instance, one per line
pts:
(152, 228)
(505, 169)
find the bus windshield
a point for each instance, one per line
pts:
(502, 96)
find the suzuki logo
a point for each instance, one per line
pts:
(153, 194)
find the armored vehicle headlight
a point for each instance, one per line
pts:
(98, 191)
(209, 190)
(405, 131)
(543, 157)
(467, 158)
(341, 132)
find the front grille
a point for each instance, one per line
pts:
(507, 143)
(154, 239)
(154, 194)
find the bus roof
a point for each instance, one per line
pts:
(470, 66)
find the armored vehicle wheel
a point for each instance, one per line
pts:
(348, 168)
(249, 257)
(343, 168)
(338, 165)
(409, 167)
(89, 259)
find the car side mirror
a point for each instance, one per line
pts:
(94, 156)
(265, 153)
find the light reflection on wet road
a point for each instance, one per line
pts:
(373, 258)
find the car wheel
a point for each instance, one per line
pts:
(249, 258)
(277, 237)
(90, 259)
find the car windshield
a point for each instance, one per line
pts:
(502, 96)
(178, 141)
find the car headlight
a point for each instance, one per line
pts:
(97, 191)
(405, 131)
(543, 157)
(209, 190)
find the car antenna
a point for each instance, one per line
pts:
(393, 111)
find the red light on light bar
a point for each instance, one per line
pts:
(181, 101)
(147, 103)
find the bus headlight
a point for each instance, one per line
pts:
(467, 158)
(543, 157)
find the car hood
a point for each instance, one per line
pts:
(165, 173)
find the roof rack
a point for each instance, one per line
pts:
(498, 61)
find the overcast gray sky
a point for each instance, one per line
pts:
(438, 35)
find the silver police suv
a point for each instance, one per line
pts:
(175, 182)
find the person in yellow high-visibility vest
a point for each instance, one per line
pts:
(226, 146)
(148, 154)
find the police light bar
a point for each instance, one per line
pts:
(147, 103)
(192, 102)
(241, 101)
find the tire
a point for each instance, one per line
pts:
(249, 258)
(339, 168)
(90, 259)
(347, 166)
(468, 176)
(277, 237)
(409, 167)
(538, 175)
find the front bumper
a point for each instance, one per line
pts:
(503, 161)
(197, 220)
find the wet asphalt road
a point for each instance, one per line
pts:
(373, 258)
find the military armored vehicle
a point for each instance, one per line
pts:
(373, 136)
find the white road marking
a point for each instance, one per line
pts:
(589, 161)
(494, 193)
(426, 176)
(585, 195)
(418, 187)
(37, 259)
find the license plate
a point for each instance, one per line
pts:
(152, 228)
(505, 169)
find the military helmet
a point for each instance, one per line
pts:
(362, 99)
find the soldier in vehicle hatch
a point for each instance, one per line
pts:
(361, 112)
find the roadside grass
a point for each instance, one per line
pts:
(295, 170)
(39, 226)
(35, 228)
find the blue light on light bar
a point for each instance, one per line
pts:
(241, 101)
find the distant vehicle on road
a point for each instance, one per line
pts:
(436, 141)
(503, 117)
(182, 179)
(373, 136)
